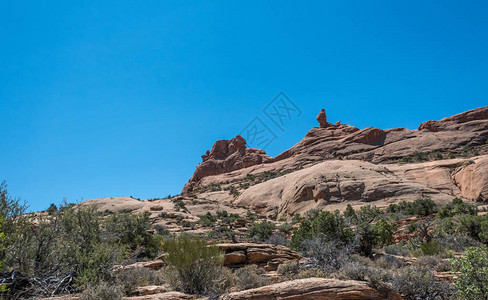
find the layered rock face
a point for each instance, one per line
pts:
(269, 256)
(226, 156)
(334, 184)
(468, 130)
(375, 145)
(313, 289)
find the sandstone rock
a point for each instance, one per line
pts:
(226, 156)
(334, 182)
(154, 265)
(472, 179)
(235, 258)
(150, 290)
(165, 296)
(468, 129)
(248, 253)
(322, 119)
(156, 208)
(312, 289)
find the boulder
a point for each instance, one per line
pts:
(313, 289)
(270, 256)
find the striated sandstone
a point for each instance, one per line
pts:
(313, 289)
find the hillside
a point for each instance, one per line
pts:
(346, 213)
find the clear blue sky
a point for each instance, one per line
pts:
(120, 98)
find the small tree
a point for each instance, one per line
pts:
(472, 282)
(193, 266)
(261, 230)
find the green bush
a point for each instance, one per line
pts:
(193, 267)
(472, 282)
(430, 248)
(285, 228)
(332, 227)
(383, 232)
(261, 230)
(130, 279)
(415, 283)
(102, 291)
(250, 277)
(420, 207)
(207, 220)
(278, 239)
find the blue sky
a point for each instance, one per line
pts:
(120, 98)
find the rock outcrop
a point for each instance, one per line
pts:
(334, 184)
(313, 289)
(226, 156)
(269, 256)
(472, 179)
(464, 134)
(322, 118)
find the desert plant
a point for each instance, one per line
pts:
(419, 283)
(102, 291)
(130, 279)
(193, 266)
(250, 277)
(261, 230)
(207, 220)
(472, 282)
(278, 239)
(285, 228)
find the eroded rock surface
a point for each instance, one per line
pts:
(226, 156)
(269, 256)
(313, 289)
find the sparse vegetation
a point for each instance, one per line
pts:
(195, 267)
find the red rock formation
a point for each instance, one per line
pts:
(226, 156)
(322, 119)
(343, 141)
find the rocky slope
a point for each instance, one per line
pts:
(336, 164)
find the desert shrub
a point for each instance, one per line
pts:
(349, 212)
(193, 267)
(250, 277)
(132, 230)
(102, 291)
(311, 272)
(383, 232)
(278, 239)
(285, 228)
(288, 270)
(261, 230)
(432, 263)
(296, 218)
(52, 209)
(472, 282)
(366, 214)
(461, 207)
(130, 279)
(331, 227)
(476, 227)
(445, 212)
(94, 263)
(419, 283)
(207, 220)
(328, 255)
(457, 242)
(356, 270)
(397, 249)
(420, 207)
(430, 248)
(389, 262)
(312, 213)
